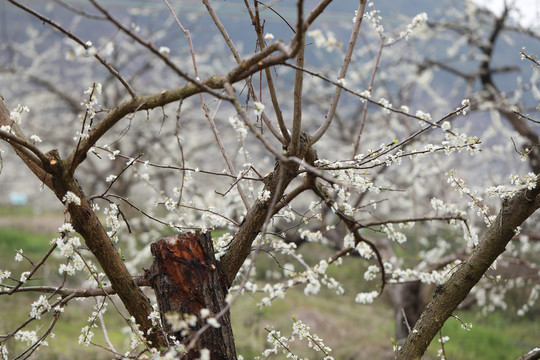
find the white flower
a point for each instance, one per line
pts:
(108, 49)
(348, 241)
(35, 138)
(71, 198)
(154, 316)
(66, 228)
(366, 94)
(446, 125)
(342, 82)
(40, 306)
(404, 108)
(366, 298)
(30, 337)
(19, 256)
(444, 339)
(66, 268)
(86, 336)
(423, 115)
(239, 126)
(205, 313)
(4, 274)
(268, 36)
(112, 156)
(110, 178)
(24, 276)
(16, 115)
(386, 104)
(258, 108)
(329, 42)
(355, 16)
(163, 50)
(465, 102)
(213, 322)
(205, 354)
(263, 195)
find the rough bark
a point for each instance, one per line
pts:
(447, 298)
(186, 279)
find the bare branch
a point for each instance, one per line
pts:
(74, 293)
(370, 88)
(342, 72)
(297, 100)
(238, 59)
(155, 51)
(82, 43)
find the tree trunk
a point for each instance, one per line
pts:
(408, 303)
(186, 279)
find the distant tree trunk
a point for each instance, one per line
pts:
(186, 279)
(408, 303)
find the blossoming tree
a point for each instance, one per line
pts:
(264, 151)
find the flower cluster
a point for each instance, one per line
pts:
(328, 41)
(374, 17)
(79, 51)
(416, 22)
(112, 221)
(90, 106)
(30, 337)
(258, 108)
(366, 298)
(39, 307)
(71, 198)
(16, 115)
(86, 332)
(239, 127)
(280, 343)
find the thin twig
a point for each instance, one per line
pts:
(366, 104)
(79, 41)
(155, 51)
(342, 73)
(239, 61)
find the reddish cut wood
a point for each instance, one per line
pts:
(186, 279)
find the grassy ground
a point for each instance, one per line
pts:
(353, 331)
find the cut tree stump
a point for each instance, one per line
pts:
(186, 278)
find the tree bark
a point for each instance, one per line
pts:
(447, 298)
(186, 279)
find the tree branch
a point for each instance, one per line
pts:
(342, 73)
(493, 243)
(73, 37)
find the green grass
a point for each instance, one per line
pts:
(12, 240)
(351, 330)
(492, 337)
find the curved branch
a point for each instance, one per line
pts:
(12, 139)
